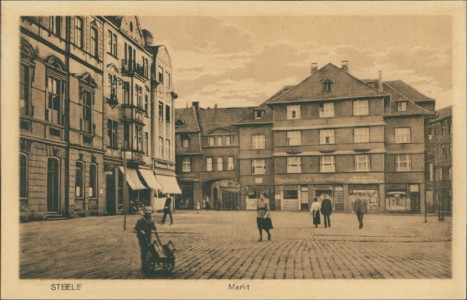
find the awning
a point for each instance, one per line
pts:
(150, 179)
(133, 179)
(169, 184)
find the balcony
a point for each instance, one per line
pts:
(131, 113)
(131, 68)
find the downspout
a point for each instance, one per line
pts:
(67, 117)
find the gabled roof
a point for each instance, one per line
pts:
(443, 113)
(408, 91)
(220, 118)
(188, 116)
(412, 107)
(344, 86)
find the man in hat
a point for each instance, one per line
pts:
(360, 207)
(144, 228)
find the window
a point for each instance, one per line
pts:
(258, 141)
(139, 138)
(293, 112)
(25, 89)
(146, 104)
(92, 181)
(219, 141)
(139, 96)
(94, 42)
(430, 170)
(327, 164)
(130, 58)
(258, 166)
(360, 108)
(126, 136)
(168, 114)
(450, 173)
(168, 151)
(55, 25)
(294, 164)
(160, 147)
(294, 138)
(209, 164)
(403, 162)
(79, 179)
(126, 93)
(79, 32)
(146, 143)
(230, 163)
(145, 67)
(86, 103)
(23, 177)
(185, 142)
(112, 128)
(259, 114)
(402, 135)
(326, 110)
(361, 135)
(112, 43)
(160, 75)
(227, 140)
(211, 141)
(443, 150)
(290, 193)
(54, 104)
(326, 136)
(362, 163)
(220, 164)
(161, 111)
(327, 85)
(402, 106)
(439, 174)
(186, 164)
(167, 80)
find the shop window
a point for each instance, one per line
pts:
(360, 108)
(79, 22)
(361, 135)
(258, 166)
(327, 136)
(402, 135)
(230, 163)
(294, 138)
(403, 162)
(293, 112)
(220, 164)
(79, 180)
(92, 181)
(294, 164)
(397, 200)
(186, 164)
(362, 163)
(209, 164)
(112, 133)
(290, 193)
(258, 141)
(327, 164)
(326, 110)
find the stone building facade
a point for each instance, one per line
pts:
(87, 94)
(337, 135)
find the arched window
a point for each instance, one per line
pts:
(92, 181)
(79, 180)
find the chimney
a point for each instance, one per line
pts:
(380, 81)
(345, 66)
(195, 104)
(147, 37)
(215, 106)
(314, 68)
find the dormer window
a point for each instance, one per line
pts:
(402, 106)
(259, 114)
(327, 85)
(179, 122)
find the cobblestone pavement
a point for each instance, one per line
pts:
(224, 245)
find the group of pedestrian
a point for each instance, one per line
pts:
(360, 207)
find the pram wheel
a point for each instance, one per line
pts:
(150, 262)
(168, 266)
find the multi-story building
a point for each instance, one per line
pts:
(87, 96)
(335, 134)
(439, 150)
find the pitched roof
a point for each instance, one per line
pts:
(217, 118)
(443, 113)
(408, 91)
(188, 116)
(344, 85)
(412, 107)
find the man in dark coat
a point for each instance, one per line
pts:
(167, 210)
(326, 209)
(144, 228)
(360, 207)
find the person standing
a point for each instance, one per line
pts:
(208, 204)
(197, 207)
(314, 210)
(144, 228)
(326, 209)
(360, 207)
(168, 210)
(262, 219)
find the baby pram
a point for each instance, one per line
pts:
(161, 256)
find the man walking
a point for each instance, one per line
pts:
(167, 210)
(360, 207)
(326, 209)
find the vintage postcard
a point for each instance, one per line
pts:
(233, 150)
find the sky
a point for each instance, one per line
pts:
(242, 61)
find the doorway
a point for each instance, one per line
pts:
(53, 192)
(110, 193)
